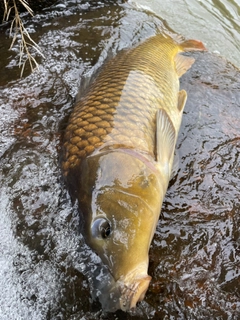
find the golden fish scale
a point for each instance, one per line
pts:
(119, 108)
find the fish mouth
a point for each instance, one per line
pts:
(123, 293)
(131, 293)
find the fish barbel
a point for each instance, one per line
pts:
(118, 154)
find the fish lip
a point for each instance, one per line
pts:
(133, 292)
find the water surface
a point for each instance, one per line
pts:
(215, 22)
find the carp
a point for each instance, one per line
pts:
(118, 152)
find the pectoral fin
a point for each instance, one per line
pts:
(165, 140)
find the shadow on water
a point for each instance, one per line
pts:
(44, 263)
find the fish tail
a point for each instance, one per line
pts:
(192, 45)
(183, 63)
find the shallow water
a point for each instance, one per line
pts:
(44, 263)
(215, 22)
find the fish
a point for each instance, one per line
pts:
(118, 153)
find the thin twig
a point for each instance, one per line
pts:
(17, 27)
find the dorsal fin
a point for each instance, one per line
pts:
(85, 82)
(88, 78)
(182, 64)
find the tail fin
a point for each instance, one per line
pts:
(192, 45)
(182, 64)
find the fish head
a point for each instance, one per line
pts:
(121, 200)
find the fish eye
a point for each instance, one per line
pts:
(101, 228)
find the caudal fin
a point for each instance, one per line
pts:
(192, 45)
(182, 64)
